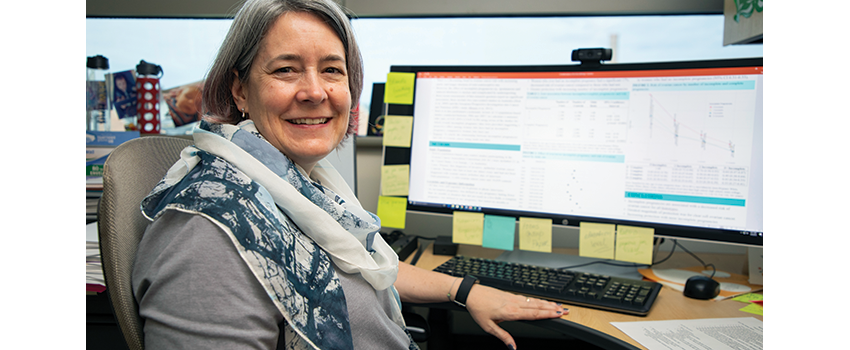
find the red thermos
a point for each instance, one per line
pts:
(148, 97)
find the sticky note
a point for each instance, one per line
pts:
(596, 240)
(399, 88)
(634, 244)
(753, 309)
(397, 131)
(535, 234)
(392, 211)
(499, 232)
(467, 228)
(746, 298)
(395, 180)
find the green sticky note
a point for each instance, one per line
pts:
(392, 211)
(634, 244)
(399, 88)
(467, 228)
(397, 131)
(498, 232)
(395, 180)
(746, 298)
(535, 234)
(596, 240)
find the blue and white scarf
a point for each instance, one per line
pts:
(286, 227)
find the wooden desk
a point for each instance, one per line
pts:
(670, 304)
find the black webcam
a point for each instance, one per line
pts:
(592, 56)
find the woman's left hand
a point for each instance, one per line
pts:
(489, 306)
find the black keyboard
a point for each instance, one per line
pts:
(625, 295)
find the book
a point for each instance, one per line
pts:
(99, 144)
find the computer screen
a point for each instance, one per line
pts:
(675, 146)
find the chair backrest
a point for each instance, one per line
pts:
(129, 174)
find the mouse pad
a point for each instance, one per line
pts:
(730, 283)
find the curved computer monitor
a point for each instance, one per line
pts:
(675, 146)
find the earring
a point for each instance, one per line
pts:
(243, 113)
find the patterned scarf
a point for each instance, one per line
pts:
(286, 227)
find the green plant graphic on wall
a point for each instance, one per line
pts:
(745, 8)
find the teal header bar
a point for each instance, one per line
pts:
(687, 199)
(696, 86)
(488, 146)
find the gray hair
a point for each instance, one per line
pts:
(242, 43)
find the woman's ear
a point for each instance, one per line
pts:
(238, 90)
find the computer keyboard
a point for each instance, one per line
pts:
(625, 295)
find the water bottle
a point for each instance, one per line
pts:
(98, 101)
(148, 90)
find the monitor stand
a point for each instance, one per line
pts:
(564, 260)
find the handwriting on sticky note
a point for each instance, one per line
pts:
(467, 228)
(399, 88)
(395, 180)
(596, 240)
(392, 211)
(397, 131)
(634, 244)
(498, 232)
(535, 234)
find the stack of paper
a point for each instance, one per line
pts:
(744, 333)
(94, 269)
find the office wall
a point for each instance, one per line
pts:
(372, 8)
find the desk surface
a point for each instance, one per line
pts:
(670, 305)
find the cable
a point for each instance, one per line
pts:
(668, 255)
(704, 265)
(422, 247)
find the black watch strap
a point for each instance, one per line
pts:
(463, 290)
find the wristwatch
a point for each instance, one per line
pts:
(463, 290)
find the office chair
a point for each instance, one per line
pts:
(129, 174)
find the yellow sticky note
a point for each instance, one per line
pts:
(399, 88)
(634, 244)
(397, 131)
(467, 228)
(395, 180)
(392, 211)
(753, 309)
(535, 234)
(596, 240)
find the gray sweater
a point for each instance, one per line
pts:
(195, 292)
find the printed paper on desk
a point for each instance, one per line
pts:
(397, 131)
(596, 240)
(634, 244)
(535, 234)
(392, 211)
(399, 88)
(395, 180)
(499, 232)
(467, 228)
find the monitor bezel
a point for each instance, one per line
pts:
(400, 155)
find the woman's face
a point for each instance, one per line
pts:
(297, 91)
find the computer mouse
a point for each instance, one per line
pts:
(701, 287)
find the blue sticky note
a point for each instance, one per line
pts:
(499, 232)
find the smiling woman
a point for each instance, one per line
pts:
(271, 244)
(297, 89)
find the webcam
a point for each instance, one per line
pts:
(592, 56)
